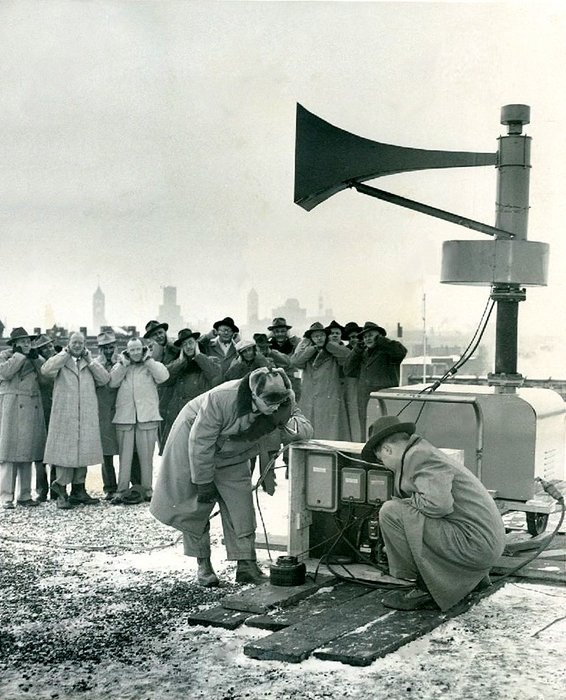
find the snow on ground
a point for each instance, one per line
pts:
(94, 602)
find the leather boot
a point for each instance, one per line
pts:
(205, 574)
(60, 492)
(249, 572)
(79, 495)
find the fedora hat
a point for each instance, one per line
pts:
(316, 326)
(371, 326)
(279, 322)
(335, 324)
(183, 334)
(351, 327)
(384, 427)
(105, 338)
(18, 334)
(152, 327)
(228, 321)
(41, 341)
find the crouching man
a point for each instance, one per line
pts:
(442, 529)
(207, 460)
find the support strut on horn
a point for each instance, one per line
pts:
(431, 211)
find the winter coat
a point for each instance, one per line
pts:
(73, 438)
(201, 443)
(322, 396)
(239, 368)
(453, 527)
(188, 378)
(375, 368)
(213, 349)
(164, 354)
(287, 348)
(137, 400)
(106, 396)
(22, 422)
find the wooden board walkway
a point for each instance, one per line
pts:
(330, 619)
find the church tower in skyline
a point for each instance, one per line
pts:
(98, 310)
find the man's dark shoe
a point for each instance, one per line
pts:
(249, 572)
(80, 496)
(28, 503)
(63, 503)
(484, 584)
(413, 599)
(8, 505)
(205, 574)
(42, 496)
(109, 495)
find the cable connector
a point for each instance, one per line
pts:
(551, 489)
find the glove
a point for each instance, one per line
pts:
(33, 354)
(283, 413)
(207, 493)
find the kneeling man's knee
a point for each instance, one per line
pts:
(390, 513)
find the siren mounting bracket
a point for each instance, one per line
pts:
(427, 209)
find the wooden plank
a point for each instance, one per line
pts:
(325, 598)
(297, 642)
(264, 597)
(218, 616)
(360, 647)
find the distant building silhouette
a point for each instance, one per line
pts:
(170, 311)
(253, 307)
(98, 310)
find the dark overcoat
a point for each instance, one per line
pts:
(106, 396)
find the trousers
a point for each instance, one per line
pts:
(143, 439)
(10, 472)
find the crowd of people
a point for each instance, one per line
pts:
(63, 409)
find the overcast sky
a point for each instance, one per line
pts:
(152, 143)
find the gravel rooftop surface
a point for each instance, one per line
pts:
(93, 604)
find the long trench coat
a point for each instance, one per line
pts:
(73, 438)
(106, 396)
(322, 392)
(452, 525)
(22, 421)
(198, 448)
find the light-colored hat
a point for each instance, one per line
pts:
(105, 338)
(272, 385)
(244, 344)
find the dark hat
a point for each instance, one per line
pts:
(335, 324)
(351, 327)
(183, 334)
(371, 326)
(279, 322)
(152, 327)
(260, 337)
(316, 326)
(228, 321)
(384, 427)
(41, 341)
(17, 334)
(105, 338)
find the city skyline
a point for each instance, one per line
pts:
(148, 144)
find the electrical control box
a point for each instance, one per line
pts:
(321, 481)
(353, 485)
